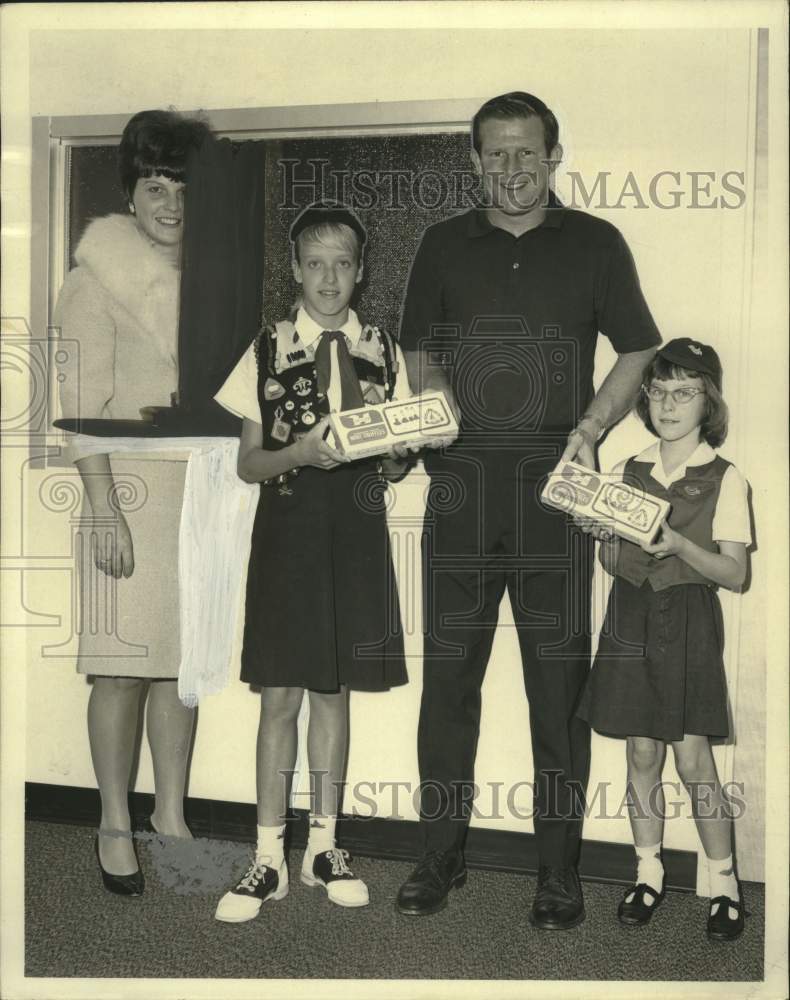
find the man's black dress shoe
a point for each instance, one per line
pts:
(558, 902)
(425, 891)
(121, 885)
(721, 926)
(635, 911)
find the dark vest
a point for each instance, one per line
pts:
(693, 499)
(288, 395)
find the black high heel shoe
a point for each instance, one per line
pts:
(121, 885)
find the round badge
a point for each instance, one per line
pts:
(289, 404)
(308, 418)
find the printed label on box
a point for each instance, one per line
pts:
(372, 430)
(626, 505)
(624, 508)
(405, 418)
(360, 418)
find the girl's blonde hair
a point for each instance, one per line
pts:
(329, 234)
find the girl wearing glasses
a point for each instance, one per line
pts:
(658, 676)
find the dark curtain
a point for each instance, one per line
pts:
(222, 276)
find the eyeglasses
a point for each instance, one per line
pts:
(683, 395)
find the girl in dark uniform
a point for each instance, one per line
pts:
(658, 676)
(322, 604)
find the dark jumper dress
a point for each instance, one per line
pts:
(659, 669)
(322, 602)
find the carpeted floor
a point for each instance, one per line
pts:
(74, 927)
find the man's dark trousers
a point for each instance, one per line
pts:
(485, 531)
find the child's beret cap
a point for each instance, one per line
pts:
(694, 356)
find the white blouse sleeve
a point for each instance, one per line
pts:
(239, 394)
(731, 522)
(401, 389)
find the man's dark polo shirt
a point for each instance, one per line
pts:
(527, 310)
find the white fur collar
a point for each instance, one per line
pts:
(134, 274)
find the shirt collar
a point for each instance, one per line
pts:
(480, 225)
(702, 455)
(309, 331)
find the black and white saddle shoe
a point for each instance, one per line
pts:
(259, 883)
(722, 926)
(331, 870)
(638, 904)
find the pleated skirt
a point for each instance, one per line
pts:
(659, 670)
(322, 605)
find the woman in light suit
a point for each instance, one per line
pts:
(120, 303)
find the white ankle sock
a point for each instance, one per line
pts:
(649, 868)
(722, 880)
(322, 834)
(271, 841)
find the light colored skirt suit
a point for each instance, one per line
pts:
(118, 317)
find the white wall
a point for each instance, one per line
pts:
(628, 100)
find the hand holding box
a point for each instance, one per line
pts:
(622, 507)
(414, 422)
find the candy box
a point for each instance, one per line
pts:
(373, 430)
(624, 508)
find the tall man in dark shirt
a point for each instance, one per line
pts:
(502, 311)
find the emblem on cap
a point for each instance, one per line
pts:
(695, 350)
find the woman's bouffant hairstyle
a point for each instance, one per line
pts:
(157, 142)
(714, 425)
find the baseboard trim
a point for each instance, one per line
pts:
(394, 839)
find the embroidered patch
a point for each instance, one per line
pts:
(308, 418)
(272, 389)
(295, 356)
(281, 430)
(302, 386)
